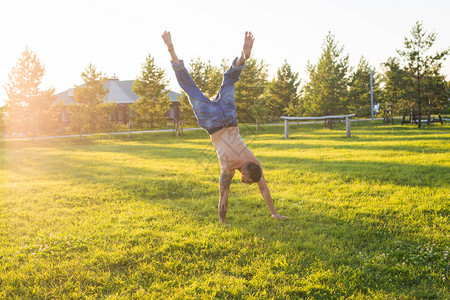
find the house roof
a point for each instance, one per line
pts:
(120, 91)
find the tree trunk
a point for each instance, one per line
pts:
(418, 100)
(330, 123)
(420, 116)
(129, 124)
(429, 112)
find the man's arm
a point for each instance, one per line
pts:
(265, 192)
(224, 188)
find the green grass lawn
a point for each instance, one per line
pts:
(121, 219)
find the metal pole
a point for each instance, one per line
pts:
(371, 91)
(286, 129)
(348, 127)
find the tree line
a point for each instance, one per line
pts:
(411, 81)
(31, 111)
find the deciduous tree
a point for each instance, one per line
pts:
(30, 110)
(3, 121)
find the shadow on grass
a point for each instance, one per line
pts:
(369, 133)
(302, 143)
(357, 246)
(362, 250)
(204, 157)
(407, 174)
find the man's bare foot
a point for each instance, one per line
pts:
(248, 44)
(167, 38)
(247, 49)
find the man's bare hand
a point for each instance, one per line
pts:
(279, 217)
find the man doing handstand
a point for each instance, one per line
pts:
(218, 118)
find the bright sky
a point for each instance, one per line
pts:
(116, 36)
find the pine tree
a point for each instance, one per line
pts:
(91, 113)
(326, 92)
(30, 110)
(359, 92)
(207, 77)
(397, 87)
(250, 89)
(283, 94)
(446, 107)
(154, 101)
(435, 94)
(420, 66)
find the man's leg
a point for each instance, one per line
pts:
(187, 83)
(184, 78)
(208, 114)
(231, 76)
(226, 95)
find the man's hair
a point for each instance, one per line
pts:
(253, 171)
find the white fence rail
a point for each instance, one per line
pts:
(346, 117)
